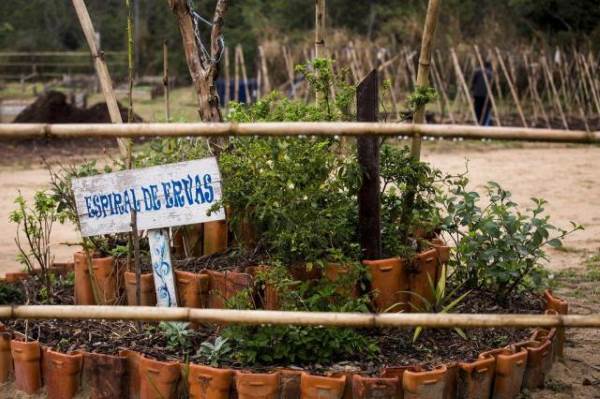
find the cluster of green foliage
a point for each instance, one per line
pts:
(400, 174)
(498, 247)
(298, 344)
(177, 335)
(34, 228)
(421, 96)
(27, 25)
(10, 294)
(298, 193)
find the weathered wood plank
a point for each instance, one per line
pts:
(162, 268)
(162, 196)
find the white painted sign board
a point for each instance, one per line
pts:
(161, 196)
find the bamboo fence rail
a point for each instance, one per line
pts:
(257, 317)
(282, 129)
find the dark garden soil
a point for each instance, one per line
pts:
(396, 346)
(53, 107)
(232, 260)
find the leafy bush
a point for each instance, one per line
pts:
(498, 247)
(35, 222)
(297, 344)
(403, 215)
(298, 193)
(215, 353)
(10, 295)
(177, 335)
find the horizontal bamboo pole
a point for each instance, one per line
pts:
(258, 317)
(280, 129)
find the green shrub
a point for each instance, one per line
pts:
(299, 345)
(498, 247)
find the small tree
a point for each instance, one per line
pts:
(203, 63)
(35, 224)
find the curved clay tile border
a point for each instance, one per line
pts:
(499, 373)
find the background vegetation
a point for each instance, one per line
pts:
(27, 25)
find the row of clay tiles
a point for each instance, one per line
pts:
(500, 373)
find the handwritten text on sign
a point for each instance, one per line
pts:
(162, 196)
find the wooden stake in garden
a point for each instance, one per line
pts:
(369, 223)
(423, 71)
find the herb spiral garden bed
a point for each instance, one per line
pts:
(440, 364)
(293, 241)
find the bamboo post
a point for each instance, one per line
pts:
(463, 84)
(166, 80)
(554, 93)
(289, 66)
(431, 19)
(244, 75)
(266, 82)
(445, 103)
(511, 86)
(534, 91)
(384, 65)
(592, 84)
(320, 12)
(236, 77)
(227, 96)
(103, 74)
(496, 82)
(488, 86)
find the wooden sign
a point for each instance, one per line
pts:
(162, 196)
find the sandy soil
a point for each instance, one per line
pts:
(566, 176)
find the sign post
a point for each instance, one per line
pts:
(162, 196)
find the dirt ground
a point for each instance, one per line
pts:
(567, 176)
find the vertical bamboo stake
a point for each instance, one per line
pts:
(496, 82)
(488, 86)
(289, 66)
(166, 80)
(388, 76)
(444, 100)
(264, 70)
(513, 91)
(423, 71)
(320, 10)
(227, 96)
(554, 93)
(411, 68)
(463, 84)
(236, 78)
(592, 84)
(534, 91)
(103, 74)
(245, 75)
